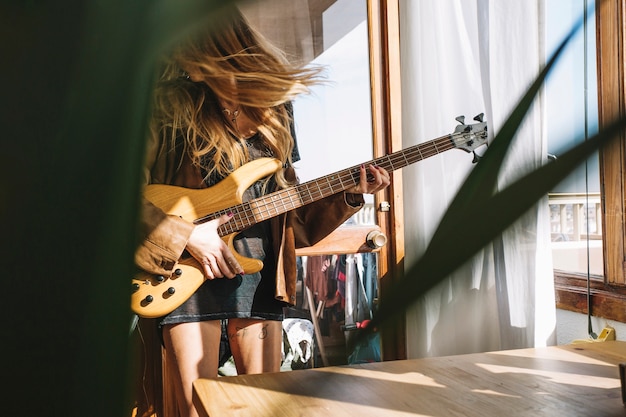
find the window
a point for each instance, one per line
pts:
(352, 39)
(597, 215)
(571, 110)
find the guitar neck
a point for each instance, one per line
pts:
(249, 213)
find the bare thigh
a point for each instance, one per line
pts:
(255, 345)
(192, 352)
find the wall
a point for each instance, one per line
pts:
(573, 326)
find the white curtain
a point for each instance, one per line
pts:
(464, 57)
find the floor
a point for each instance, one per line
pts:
(334, 346)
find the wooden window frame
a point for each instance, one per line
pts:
(384, 32)
(384, 46)
(605, 296)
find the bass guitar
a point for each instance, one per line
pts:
(157, 295)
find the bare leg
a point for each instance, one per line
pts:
(192, 352)
(255, 345)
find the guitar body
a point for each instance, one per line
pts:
(156, 296)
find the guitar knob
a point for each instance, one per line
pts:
(135, 287)
(178, 272)
(160, 278)
(149, 298)
(171, 290)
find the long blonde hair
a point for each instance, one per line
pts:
(231, 59)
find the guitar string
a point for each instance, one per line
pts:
(314, 190)
(244, 213)
(262, 208)
(266, 206)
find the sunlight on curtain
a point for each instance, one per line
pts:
(464, 58)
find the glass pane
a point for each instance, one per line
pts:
(334, 123)
(572, 114)
(334, 132)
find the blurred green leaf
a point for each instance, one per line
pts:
(76, 89)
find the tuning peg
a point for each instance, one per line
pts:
(460, 119)
(479, 117)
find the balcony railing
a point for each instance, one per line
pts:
(576, 228)
(575, 225)
(575, 216)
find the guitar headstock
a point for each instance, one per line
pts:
(470, 137)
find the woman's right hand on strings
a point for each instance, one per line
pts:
(211, 251)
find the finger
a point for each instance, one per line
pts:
(208, 272)
(378, 179)
(215, 268)
(225, 218)
(235, 266)
(230, 267)
(363, 182)
(384, 178)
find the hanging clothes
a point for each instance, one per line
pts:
(318, 271)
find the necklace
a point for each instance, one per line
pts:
(232, 115)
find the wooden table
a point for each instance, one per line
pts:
(573, 380)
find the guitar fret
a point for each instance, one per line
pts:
(341, 185)
(275, 206)
(305, 193)
(245, 216)
(262, 207)
(256, 208)
(289, 203)
(319, 189)
(248, 218)
(295, 203)
(419, 150)
(390, 166)
(330, 185)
